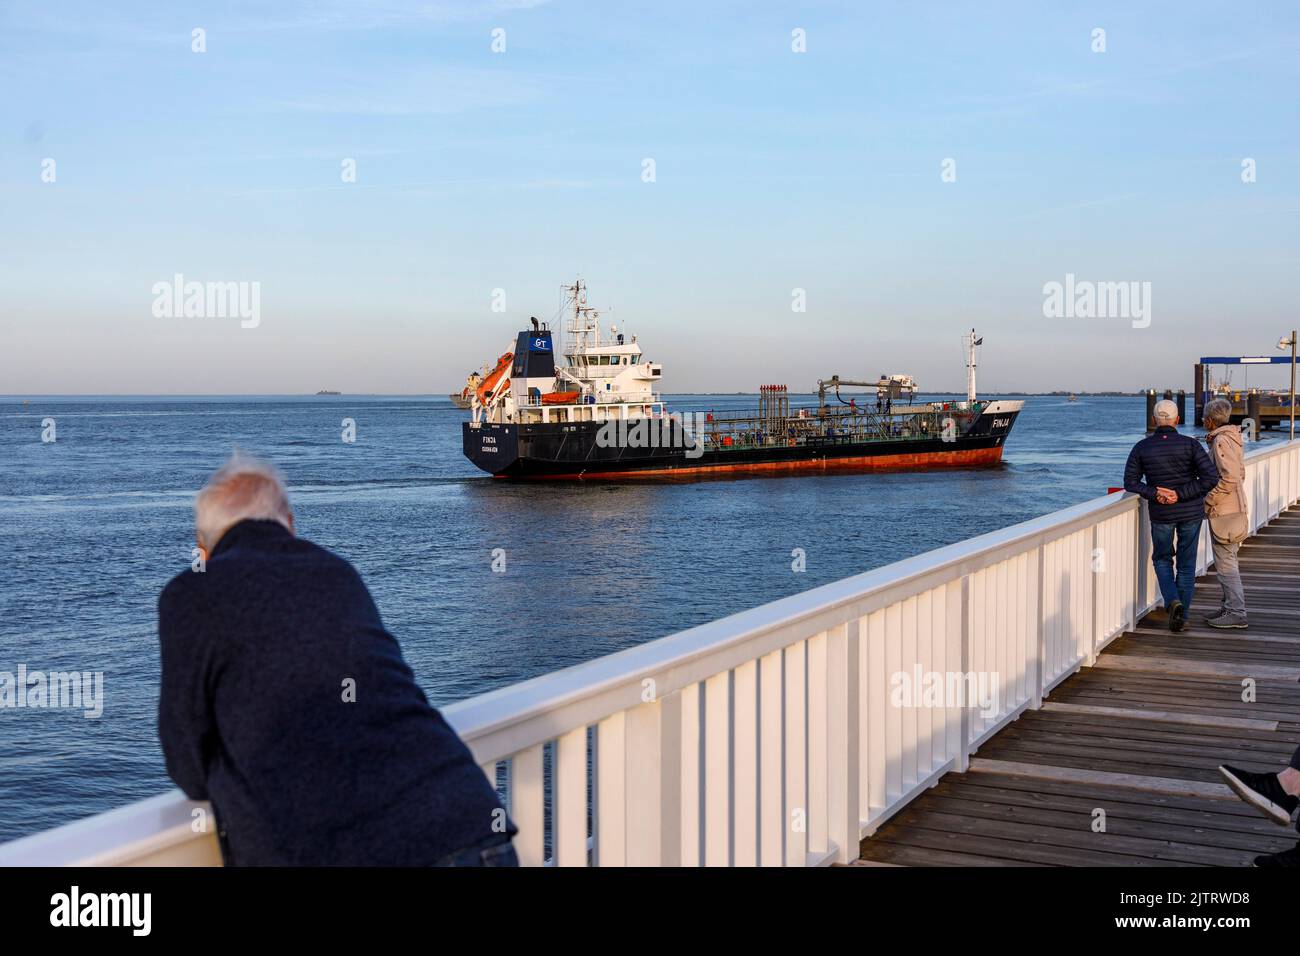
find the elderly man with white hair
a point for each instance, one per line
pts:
(286, 703)
(1174, 474)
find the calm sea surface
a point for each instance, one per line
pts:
(93, 525)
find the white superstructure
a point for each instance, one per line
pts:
(601, 375)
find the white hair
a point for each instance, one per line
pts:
(1219, 410)
(244, 488)
(1165, 411)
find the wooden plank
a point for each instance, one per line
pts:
(885, 853)
(1210, 791)
(1174, 738)
(1136, 727)
(1187, 811)
(1173, 751)
(1017, 851)
(862, 862)
(1136, 764)
(1189, 646)
(1062, 845)
(1202, 845)
(1242, 723)
(1171, 665)
(1260, 711)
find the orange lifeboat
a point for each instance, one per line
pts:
(489, 386)
(559, 398)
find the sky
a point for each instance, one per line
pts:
(837, 188)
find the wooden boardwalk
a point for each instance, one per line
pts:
(1139, 736)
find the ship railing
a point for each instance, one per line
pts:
(785, 734)
(862, 425)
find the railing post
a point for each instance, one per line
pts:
(842, 695)
(745, 737)
(1093, 616)
(717, 771)
(819, 758)
(1040, 630)
(569, 799)
(796, 754)
(527, 805)
(963, 749)
(1143, 564)
(1268, 489)
(1132, 618)
(610, 799)
(648, 784)
(771, 786)
(682, 781)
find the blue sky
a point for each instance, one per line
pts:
(775, 170)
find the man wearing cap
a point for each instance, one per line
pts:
(1173, 473)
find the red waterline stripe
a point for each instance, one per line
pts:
(913, 461)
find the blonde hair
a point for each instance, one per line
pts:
(244, 488)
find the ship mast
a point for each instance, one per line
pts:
(972, 342)
(584, 323)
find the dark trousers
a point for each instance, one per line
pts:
(497, 851)
(1176, 583)
(1295, 765)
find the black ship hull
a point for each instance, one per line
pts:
(560, 452)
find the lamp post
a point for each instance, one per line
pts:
(1282, 343)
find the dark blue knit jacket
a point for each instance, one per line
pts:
(1166, 459)
(256, 650)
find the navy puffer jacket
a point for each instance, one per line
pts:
(1166, 459)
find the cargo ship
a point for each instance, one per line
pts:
(596, 414)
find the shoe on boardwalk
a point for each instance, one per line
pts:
(1263, 792)
(1289, 857)
(1225, 620)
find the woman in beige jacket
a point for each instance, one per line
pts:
(1225, 506)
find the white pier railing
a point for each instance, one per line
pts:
(785, 734)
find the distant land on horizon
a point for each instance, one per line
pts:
(445, 396)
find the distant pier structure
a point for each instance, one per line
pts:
(1266, 409)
